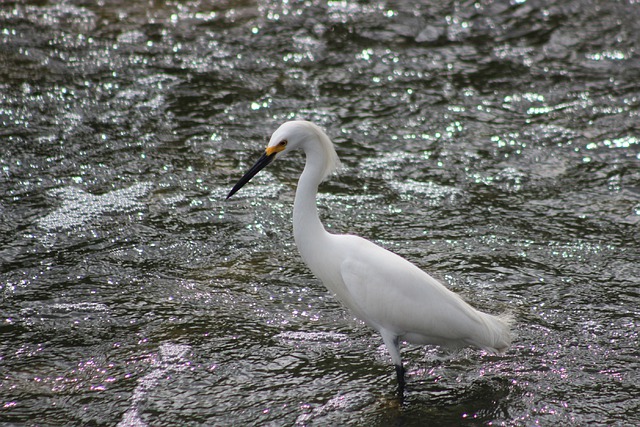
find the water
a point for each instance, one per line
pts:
(494, 144)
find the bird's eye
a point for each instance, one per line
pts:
(283, 143)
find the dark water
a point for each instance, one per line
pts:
(495, 144)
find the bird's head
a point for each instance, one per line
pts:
(288, 137)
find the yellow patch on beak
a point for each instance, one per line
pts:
(274, 149)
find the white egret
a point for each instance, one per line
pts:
(390, 294)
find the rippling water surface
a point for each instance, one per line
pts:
(493, 143)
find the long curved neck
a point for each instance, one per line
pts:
(308, 231)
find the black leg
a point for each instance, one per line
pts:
(400, 373)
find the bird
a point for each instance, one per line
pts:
(393, 296)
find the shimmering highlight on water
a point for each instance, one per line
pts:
(492, 143)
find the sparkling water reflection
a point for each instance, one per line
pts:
(493, 143)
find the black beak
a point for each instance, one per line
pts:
(262, 162)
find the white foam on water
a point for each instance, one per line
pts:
(171, 358)
(79, 207)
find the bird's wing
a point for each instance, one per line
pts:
(389, 292)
